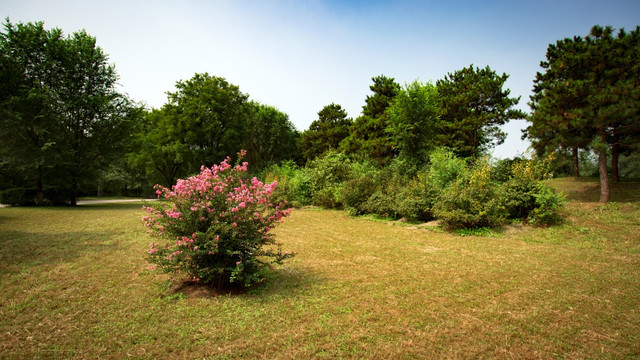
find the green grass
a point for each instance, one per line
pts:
(74, 286)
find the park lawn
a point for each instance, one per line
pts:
(73, 285)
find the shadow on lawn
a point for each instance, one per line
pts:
(112, 206)
(588, 190)
(280, 282)
(24, 249)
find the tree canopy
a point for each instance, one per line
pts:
(474, 105)
(325, 133)
(62, 118)
(368, 136)
(413, 120)
(271, 137)
(588, 96)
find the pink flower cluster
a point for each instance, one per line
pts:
(217, 208)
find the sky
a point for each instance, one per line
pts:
(299, 56)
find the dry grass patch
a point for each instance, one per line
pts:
(72, 288)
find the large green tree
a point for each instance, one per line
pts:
(97, 119)
(160, 152)
(325, 133)
(271, 137)
(29, 128)
(368, 136)
(554, 124)
(474, 105)
(414, 118)
(62, 118)
(205, 120)
(210, 116)
(593, 84)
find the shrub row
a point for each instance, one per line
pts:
(462, 195)
(27, 196)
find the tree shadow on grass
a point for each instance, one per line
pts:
(279, 282)
(588, 190)
(112, 206)
(23, 249)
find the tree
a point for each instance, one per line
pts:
(623, 51)
(28, 127)
(210, 117)
(368, 133)
(271, 137)
(414, 119)
(474, 106)
(96, 118)
(553, 123)
(325, 133)
(61, 117)
(593, 83)
(160, 151)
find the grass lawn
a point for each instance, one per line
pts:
(73, 286)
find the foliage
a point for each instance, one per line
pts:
(271, 138)
(383, 200)
(368, 136)
(206, 118)
(326, 175)
(294, 186)
(360, 186)
(474, 105)
(445, 167)
(526, 196)
(547, 206)
(215, 227)
(209, 116)
(415, 200)
(159, 153)
(630, 166)
(472, 201)
(588, 92)
(413, 120)
(325, 133)
(355, 193)
(18, 197)
(61, 118)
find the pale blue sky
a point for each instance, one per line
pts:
(301, 55)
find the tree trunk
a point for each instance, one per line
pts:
(39, 191)
(615, 154)
(602, 166)
(576, 167)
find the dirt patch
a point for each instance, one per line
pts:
(512, 229)
(434, 223)
(197, 290)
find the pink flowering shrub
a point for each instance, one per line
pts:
(215, 227)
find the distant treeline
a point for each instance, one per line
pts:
(66, 131)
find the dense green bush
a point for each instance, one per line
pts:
(502, 169)
(519, 197)
(294, 185)
(383, 200)
(415, 200)
(526, 197)
(301, 188)
(472, 201)
(449, 189)
(362, 183)
(355, 193)
(57, 195)
(18, 197)
(548, 205)
(445, 168)
(326, 175)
